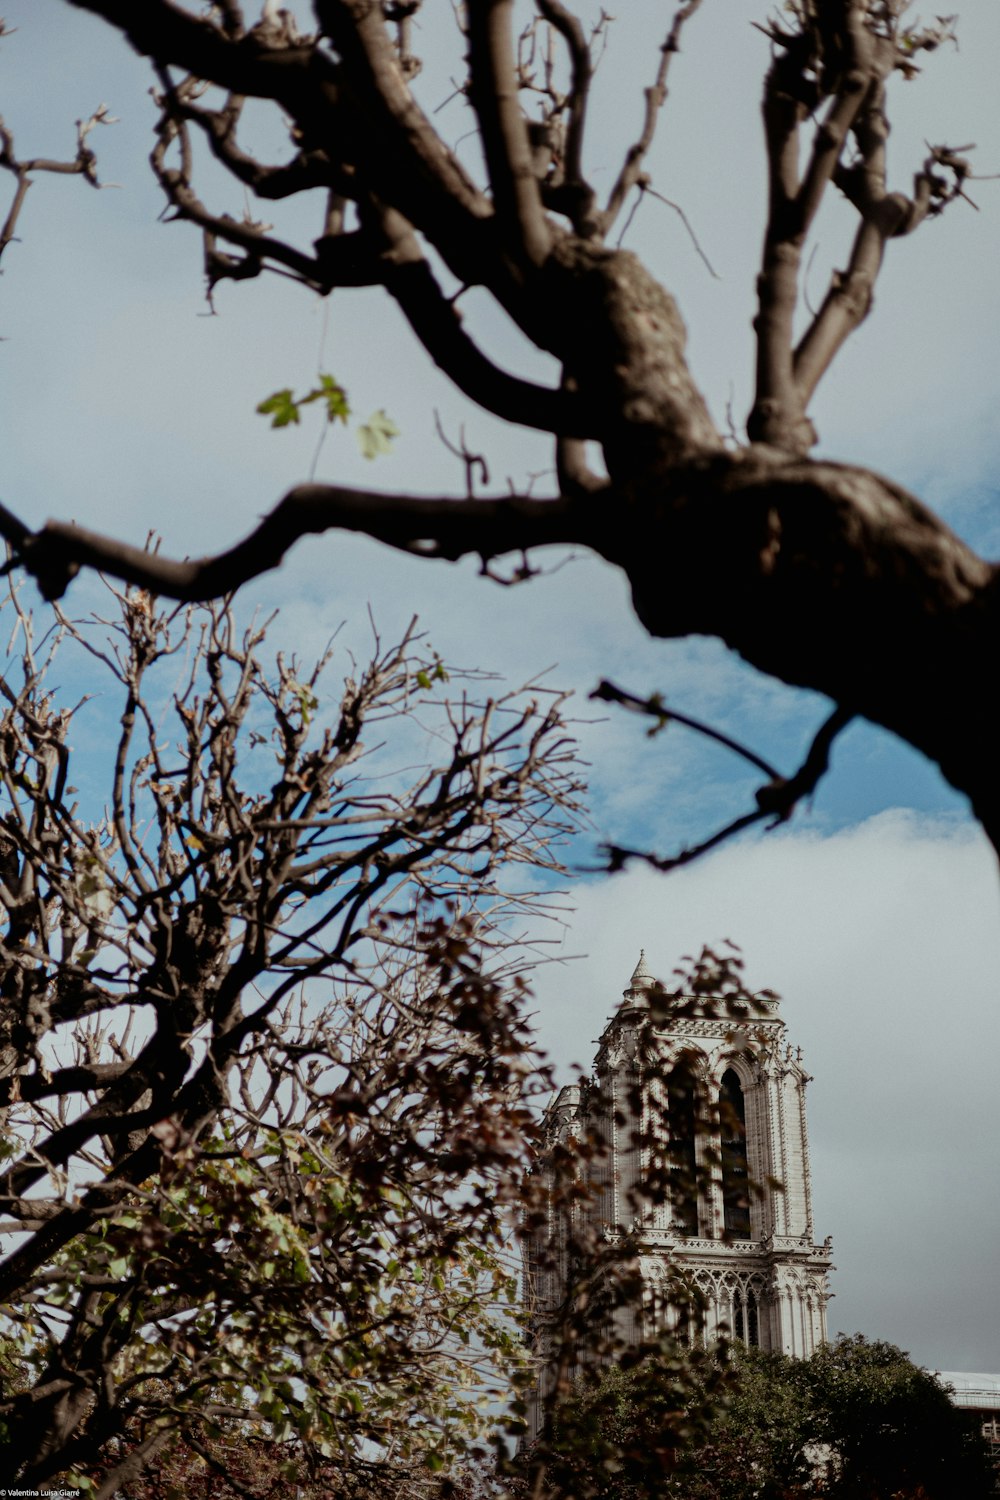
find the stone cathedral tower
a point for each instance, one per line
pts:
(752, 1254)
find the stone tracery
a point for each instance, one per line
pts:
(743, 1235)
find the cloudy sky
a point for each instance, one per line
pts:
(875, 914)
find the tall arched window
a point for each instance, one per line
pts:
(682, 1118)
(746, 1321)
(735, 1185)
(753, 1330)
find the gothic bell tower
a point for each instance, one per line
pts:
(725, 1105)
(749, 1249)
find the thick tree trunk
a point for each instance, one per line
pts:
(831, 578)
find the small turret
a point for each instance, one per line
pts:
(641, 981)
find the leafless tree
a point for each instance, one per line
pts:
(264, 1069)
(822, 574)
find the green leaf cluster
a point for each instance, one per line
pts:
(375, 436)
(857, 1421)
(285, 409)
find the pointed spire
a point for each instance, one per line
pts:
(642, 980)
(641, 977)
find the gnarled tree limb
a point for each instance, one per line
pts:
(824, 575)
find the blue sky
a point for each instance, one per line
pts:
(875, 914)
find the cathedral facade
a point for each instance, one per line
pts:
(739, 1225)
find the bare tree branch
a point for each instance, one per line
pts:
(777, 800)
(841, 56)
(437, 322)
(656, 96)
(884, 216)
(575, 191)
(84, 164)
(241, 63)
(524, 231)
(654, 707)
(429, 527)
(398, 149)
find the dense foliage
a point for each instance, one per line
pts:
(857, 1421)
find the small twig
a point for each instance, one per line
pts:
(475, 463)
(656, 95)
(84, 164)
(780, 796)
(732, 432)
(619, 856)
(777, 800)
(654, 707)
(645, 186)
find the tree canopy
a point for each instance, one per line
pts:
(823, 574)
(856, 1421)
(265, 1074)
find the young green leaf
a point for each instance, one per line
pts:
(376, 435)
(281, 407)
(333, 395)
